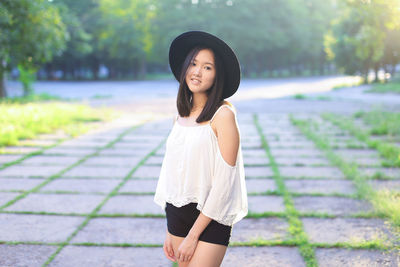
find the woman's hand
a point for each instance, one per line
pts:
(168, 249)
(187, 248)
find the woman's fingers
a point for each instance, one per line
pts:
(168, 253)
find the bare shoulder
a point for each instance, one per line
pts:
(225, 117)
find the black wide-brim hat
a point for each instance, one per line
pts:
(184, 43)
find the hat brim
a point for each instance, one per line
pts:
(184, 43)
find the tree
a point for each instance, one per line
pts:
(31, 33)
(357, 39)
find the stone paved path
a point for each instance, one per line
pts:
(89, 201)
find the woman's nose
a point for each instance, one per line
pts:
(197, 70)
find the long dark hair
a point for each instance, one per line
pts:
(214, 93)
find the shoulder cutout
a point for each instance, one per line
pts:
(224, 110)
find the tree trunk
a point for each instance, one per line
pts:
(3, 92)
(376, 69)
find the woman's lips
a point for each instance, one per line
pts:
(195, 81)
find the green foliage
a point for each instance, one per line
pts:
(363, 34)
(27, 77)
(31, 33)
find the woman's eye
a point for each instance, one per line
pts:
(193, 64)
(208, 68)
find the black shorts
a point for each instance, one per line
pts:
(180, 221)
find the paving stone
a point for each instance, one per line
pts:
(312, 172)
(146, 171)
(297, 152)
(253, 153)
(154, 160)
(320, 186)
(254, 229)
(285, 138)
(135, 146)
(18, 183)
(72, 256)
(260, 204)
(123, 230)
(95, 144)
(98, 172)
(7, 196)
(69, 151)
(291, 144)
(331, 205)
(60, 203)
(335, 230)
(8, 158)
(255, 160)
(123, 152)
(370, 171)
(262, 256)
(258, 172)
(372, 161)
(252, 144)
(161, 151)
(301, 161)
(37, 142)
(385, 184)
(351, 145)
(81, 185)
(25, 255)
(131, 205)
(130, 162)
(19, 149)
(59, 134)
(354, 153)
(37, 228)
(333, 257)
(139, 186)
(141, 139)
(51, 160)
(260, 185)
(30, 171)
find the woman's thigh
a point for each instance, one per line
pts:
(208, 255)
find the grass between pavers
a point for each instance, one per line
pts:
(295, 224)
(112, 193)
(27, 120)
(59, 174)
(382, 122)
(385, 207)
(31, 154)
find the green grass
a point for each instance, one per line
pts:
(25, 120)
(390, 87)
(33, 98)
(348, 84)
(389, 123)
(386, 204)
(296, 230)
(381, 122)
(97, 96)
(299, 96)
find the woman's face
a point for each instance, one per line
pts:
(201, 72)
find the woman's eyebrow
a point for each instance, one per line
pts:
(195, 60)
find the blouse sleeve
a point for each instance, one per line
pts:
(226, 202)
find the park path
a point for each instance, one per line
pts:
(88, 201)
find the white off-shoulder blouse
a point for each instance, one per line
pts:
(193, 170)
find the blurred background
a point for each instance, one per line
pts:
(129, 39)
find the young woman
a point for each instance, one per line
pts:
(201, 184)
